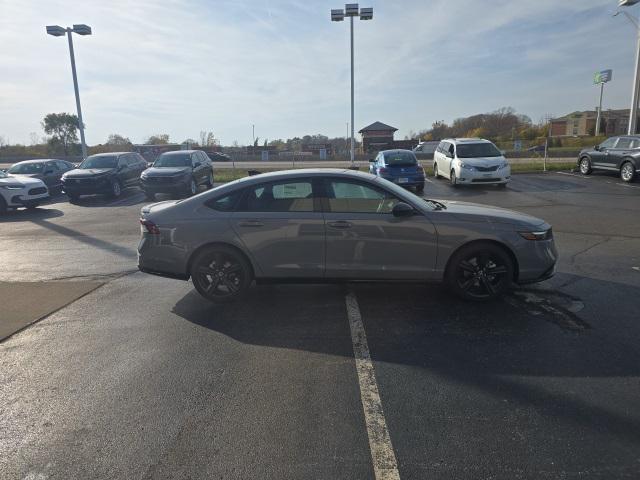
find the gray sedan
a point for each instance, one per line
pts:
(324, 225)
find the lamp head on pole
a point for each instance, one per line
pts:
(337, 15)
(56, 30)
(82, 29)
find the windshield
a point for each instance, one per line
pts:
(173, 160)
(102, 161)
(399, 158)
(27, 168)
(475, 150)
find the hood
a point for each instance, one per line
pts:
(483, 161)
(22, 180)
(165, 171)
(88, 172)
(474, 212)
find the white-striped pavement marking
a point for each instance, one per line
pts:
(385, 465)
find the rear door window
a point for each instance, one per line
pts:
(624, 143)
(287, 196)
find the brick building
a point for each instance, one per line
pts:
(614, 122)
(379, 136)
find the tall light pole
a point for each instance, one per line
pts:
(80, 29)
(635, 92)
(351, 10)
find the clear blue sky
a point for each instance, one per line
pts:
(182, 66)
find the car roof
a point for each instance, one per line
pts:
(40, 160)
(176, 152)
(108, 154)
(458, 141)
(302, 173)
(396, 150)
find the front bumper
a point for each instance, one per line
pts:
(537, 260)
(87, 186)
(163, 185)
(22, 198)
(477, 177)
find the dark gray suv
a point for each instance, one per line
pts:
(615, 154)
(326, 225)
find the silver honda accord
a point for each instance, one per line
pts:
(327, 225)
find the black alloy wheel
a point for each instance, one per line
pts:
(116, 189)
(480, 272)
(585, 166)
(627, 172)
(220, 274)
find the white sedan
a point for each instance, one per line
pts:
(16, 192)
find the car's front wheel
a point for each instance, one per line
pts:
(479, 272)
(209, 182)
(221, 274)
(192, 188)
(585, 166)
(436, 173)
(3, 206)
(116, 189)
(453, 179)
(627, 172)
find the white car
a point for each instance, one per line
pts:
(471, 161)
(16, 192)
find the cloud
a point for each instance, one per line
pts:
(181, 66)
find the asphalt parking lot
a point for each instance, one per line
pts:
(141, 378)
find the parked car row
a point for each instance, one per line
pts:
(179, 173)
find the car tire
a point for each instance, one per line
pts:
(479, 272)
(3, 206)
(627, 172)
(32, 206)
(192, 188)
(209, 182)
(150, 196)
(116, 189)
(420, 188)
(73, 198)
(221, 274)
(436, 174)
(502, 185)
(453, 179)
(585, 166)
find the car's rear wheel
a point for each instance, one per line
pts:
(3, 206)
(420, 188)
(221, 274)
(585, 166)
(627, 172)
(480, 272)
(210, 181)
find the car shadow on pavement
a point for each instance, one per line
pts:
(129, 197)
(503, 348)
(23, 214)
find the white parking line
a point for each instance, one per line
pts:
(385, 465)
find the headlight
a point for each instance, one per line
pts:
(12, 187)
(537, 235)
(503, 165)
(467, 166)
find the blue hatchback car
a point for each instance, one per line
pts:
(398, 166)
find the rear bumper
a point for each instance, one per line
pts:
(175, 276)
(411, 181)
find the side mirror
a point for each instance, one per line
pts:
(149, 164)
(371, 160)
(196, 164)
(402, 209)
(597, 148)
(48, 172)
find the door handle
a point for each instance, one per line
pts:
(340, 224)
(250, 223)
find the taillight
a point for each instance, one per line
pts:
(420, 169)
(383, 170)
(150, 227)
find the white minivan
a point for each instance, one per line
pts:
(470, 161)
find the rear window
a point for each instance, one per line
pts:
(399, 158)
